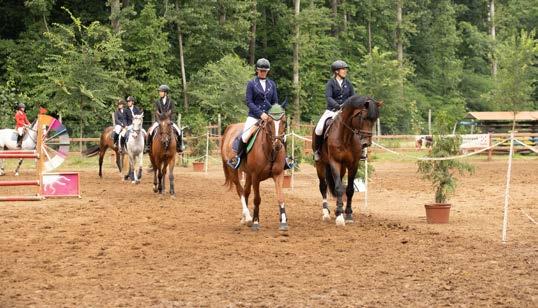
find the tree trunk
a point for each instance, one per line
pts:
(334, 8)
(492, 32)
(222, 12)
(252, 39)
(115, 9)
(296, 85)
(369, 37)
(182, 60)
(399, 45)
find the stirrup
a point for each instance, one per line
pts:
(234, 162)
(317, 156)
(288, 163)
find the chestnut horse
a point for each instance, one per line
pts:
(265, 160)
(349, 133)
(163, 153)
(105, 141)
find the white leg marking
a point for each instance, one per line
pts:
(246, 214)
(340, 221)
(325, 212)
(283, 218)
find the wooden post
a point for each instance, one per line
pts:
(206, 150)
(429, 122)
(293, 159)
(490, 151)
(39, 150)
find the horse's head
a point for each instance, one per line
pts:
(360, 113)
(275, 126)
(165, 127)
(137, 123)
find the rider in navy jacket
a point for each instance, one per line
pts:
(258, 100)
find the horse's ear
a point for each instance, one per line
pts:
(284, 104)
(379, 104)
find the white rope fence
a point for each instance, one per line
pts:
(512, 140)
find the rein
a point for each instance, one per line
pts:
(275, 145)
(360, 132)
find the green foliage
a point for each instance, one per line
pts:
(383, 78)
(82, 74)
(517, 74)
(441, 173)
(148, 56)
(219, 88)
(8, 101)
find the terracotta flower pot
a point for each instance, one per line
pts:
(287, 181)
(437, 213)
(198, 166)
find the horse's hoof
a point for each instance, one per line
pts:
(137, 182)
(326, 215)
(173, 196)
(340, 222)
(155, 189)
(16, 174)
(255, 226)
(349, 219)
(283, 226)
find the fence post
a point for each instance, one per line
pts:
(293, 159)
(490, 151)
(206, 150)
(507, 191)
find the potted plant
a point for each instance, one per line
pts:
(441, 173)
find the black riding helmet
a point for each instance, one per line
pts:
(131, 99)
(263, 64)
(21, 105)
(120, 102)
(338, 64)
(164, 88)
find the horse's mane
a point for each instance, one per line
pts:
(357, 101)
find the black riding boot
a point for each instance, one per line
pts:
(19, 141)
(317, 152)
(239, 147)
(116, 137)
(364, 154)
(288, 162)
(149, 140)
(180, 146)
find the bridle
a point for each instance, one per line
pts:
(165, 137)
(277, 141)
(361, 132)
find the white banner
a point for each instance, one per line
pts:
(475, 141)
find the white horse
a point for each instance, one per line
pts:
(135, 149)
(8, 141)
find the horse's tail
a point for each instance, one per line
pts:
(89, 152)
(329, 177)
(228, 176)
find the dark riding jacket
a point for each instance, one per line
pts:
(122, 117)
(162, 108)
(134, 111)
(258, 100)
(337, 95)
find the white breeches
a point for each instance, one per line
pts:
(249, 123)
(319, 127)
(20, 130)
(155, 124)
(117, 129)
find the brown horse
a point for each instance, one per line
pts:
(265, 160)
(163, 153)
(105, 142)
(349, 133)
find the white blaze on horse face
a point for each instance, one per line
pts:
(277, 125)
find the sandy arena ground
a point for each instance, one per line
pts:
(122, 245)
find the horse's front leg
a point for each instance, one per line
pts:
(132, 166)
(140, 165)
(320, 168)
(119, 160)
(162, 174)
(352, 172)
(339, 189)
(246, 218)
(155, 170)
(102, 152)
(257, 201)
(171, 178)
(279, 180)
(18, 167)
(2, 172)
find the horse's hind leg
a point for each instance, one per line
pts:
(244, 193)
(119, 161)
(2, 172)
(18, 167)
(102, 152)
(320, 168)
(155, 188)
(140, 165)
(257, 201)
(279, 181)
(339, 188)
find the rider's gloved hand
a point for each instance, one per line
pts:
(264, 116)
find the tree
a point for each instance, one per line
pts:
(517, 73)
(83, 73)
(219, 88)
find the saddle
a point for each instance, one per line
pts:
(250, 142)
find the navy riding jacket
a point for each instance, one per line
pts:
(131, 113)
(162, 108)
(258, 100)
(122, 117)
(337, 95)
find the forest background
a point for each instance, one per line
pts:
(78, 57)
